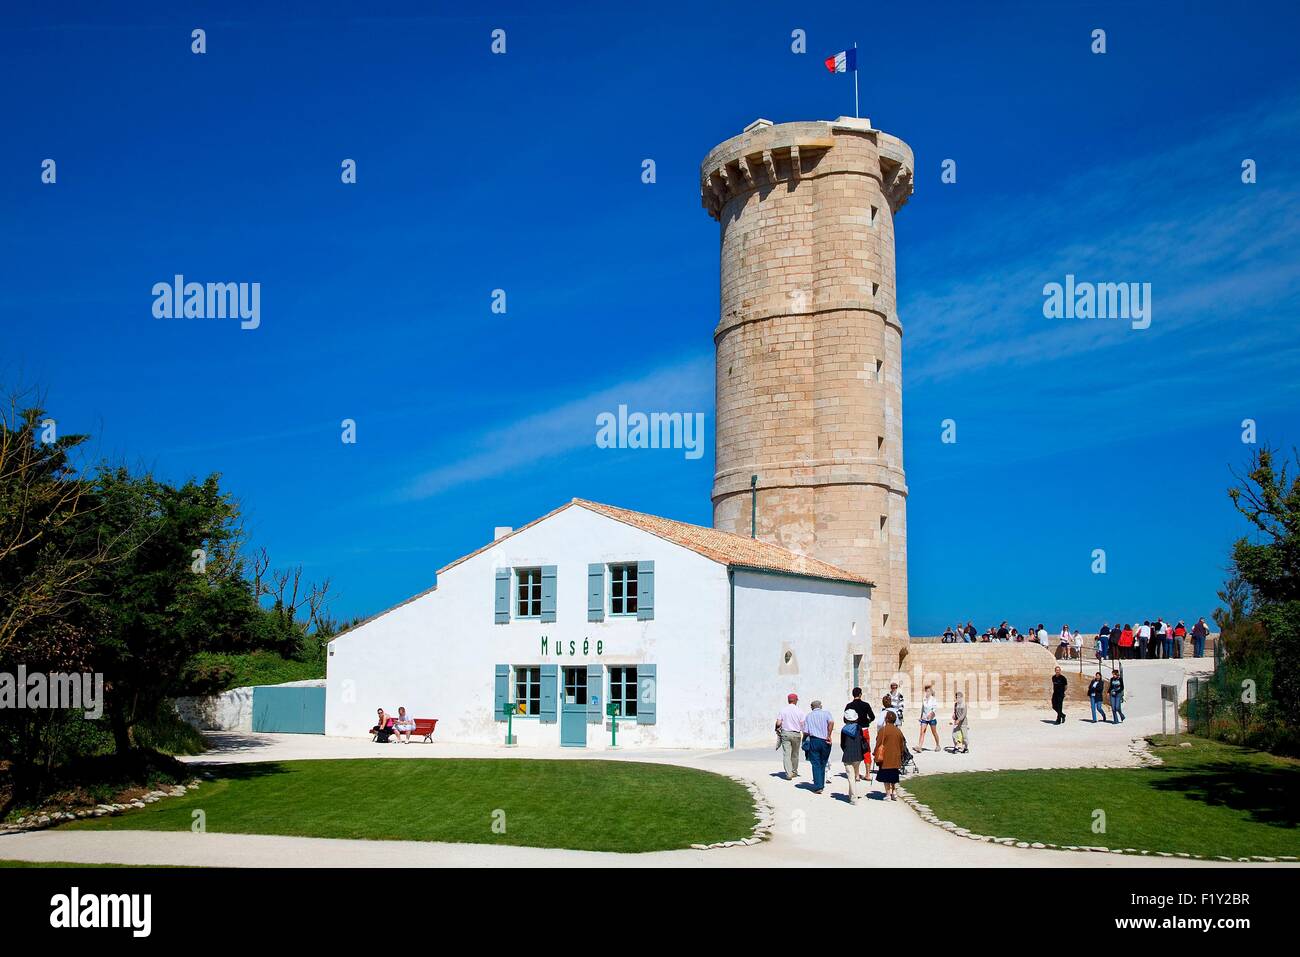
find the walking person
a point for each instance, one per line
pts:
(1116, 696)
(1200, 631)
(789, 733)
(852, 745)
(1058, 695)
(864, 717)
(960, 724)
(1096, 696)
(817, 725)
(929, 718)
(889, 756)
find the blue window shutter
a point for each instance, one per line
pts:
(503, 596)
(647, 691)
(548, 593)
(595, 592)
(595, 694)
(502, 692)
(645, 598)
(549, 679)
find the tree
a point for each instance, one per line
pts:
(179, 591)
(44, 567)
(1241, 635)
(1269, 498)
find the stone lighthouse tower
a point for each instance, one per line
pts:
(809, 352)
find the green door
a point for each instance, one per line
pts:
(573, 707)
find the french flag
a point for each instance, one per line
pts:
(845, 61)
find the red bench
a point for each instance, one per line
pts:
(423, 730)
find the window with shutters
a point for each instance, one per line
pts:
(622, 690)
(528, 689)
(622, 589)
(528, 592)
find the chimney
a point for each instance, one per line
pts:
(500, 532)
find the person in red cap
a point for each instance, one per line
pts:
(789, 735)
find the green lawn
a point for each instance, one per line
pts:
(581, 804)
(71, 864)
(1211, 799)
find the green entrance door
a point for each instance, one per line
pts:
(573, 708)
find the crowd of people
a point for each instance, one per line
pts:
(1157, 639)
(810, 733)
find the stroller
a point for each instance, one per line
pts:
(909, 765)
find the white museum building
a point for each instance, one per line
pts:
(695, 635)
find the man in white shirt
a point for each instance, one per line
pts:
(789, 732)
(1042, 635)
(1143, 638)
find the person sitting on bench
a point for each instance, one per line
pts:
(383, 729)
(403, 725)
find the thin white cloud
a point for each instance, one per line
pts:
(683, 386)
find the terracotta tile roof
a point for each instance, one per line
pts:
(735, 551)
(726, 548)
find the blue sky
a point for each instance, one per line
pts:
(522, 172)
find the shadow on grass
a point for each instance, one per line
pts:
(1269, 795)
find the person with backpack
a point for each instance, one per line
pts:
(1096, 695)
(863, 716)
(853, 749)
(1116, 696)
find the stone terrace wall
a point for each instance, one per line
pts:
(985, 672)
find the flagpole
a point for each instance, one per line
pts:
(855, 80)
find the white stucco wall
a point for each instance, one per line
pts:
(436, 654)
(822, 624)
